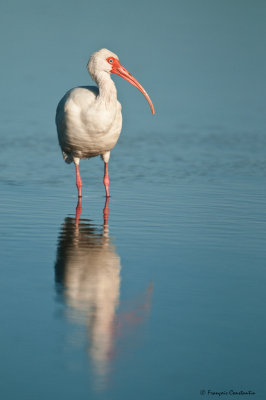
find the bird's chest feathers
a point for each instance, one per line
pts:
(100, 120)
(94, 129)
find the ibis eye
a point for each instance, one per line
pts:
(110, 60)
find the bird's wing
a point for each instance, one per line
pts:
(71, 105)
(79, 97)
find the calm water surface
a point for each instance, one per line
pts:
(160, 293)
(167, 294)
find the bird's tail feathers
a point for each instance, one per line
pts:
(67, 157)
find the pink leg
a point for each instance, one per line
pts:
(78, 180)
(106, 212)
(78, 211)
(106, 179)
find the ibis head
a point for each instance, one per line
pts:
(105, 62)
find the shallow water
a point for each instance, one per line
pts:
(160, 293)
(169, 287)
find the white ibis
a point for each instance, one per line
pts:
(89, 118)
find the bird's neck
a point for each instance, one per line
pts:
(107, 89)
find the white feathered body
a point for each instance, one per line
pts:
(88, 124)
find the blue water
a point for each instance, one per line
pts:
(165, 298)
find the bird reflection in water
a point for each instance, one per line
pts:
(87, 274)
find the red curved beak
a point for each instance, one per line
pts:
(121, 71)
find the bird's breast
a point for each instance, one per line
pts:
(88, 127)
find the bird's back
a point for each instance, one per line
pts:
(85, 126)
